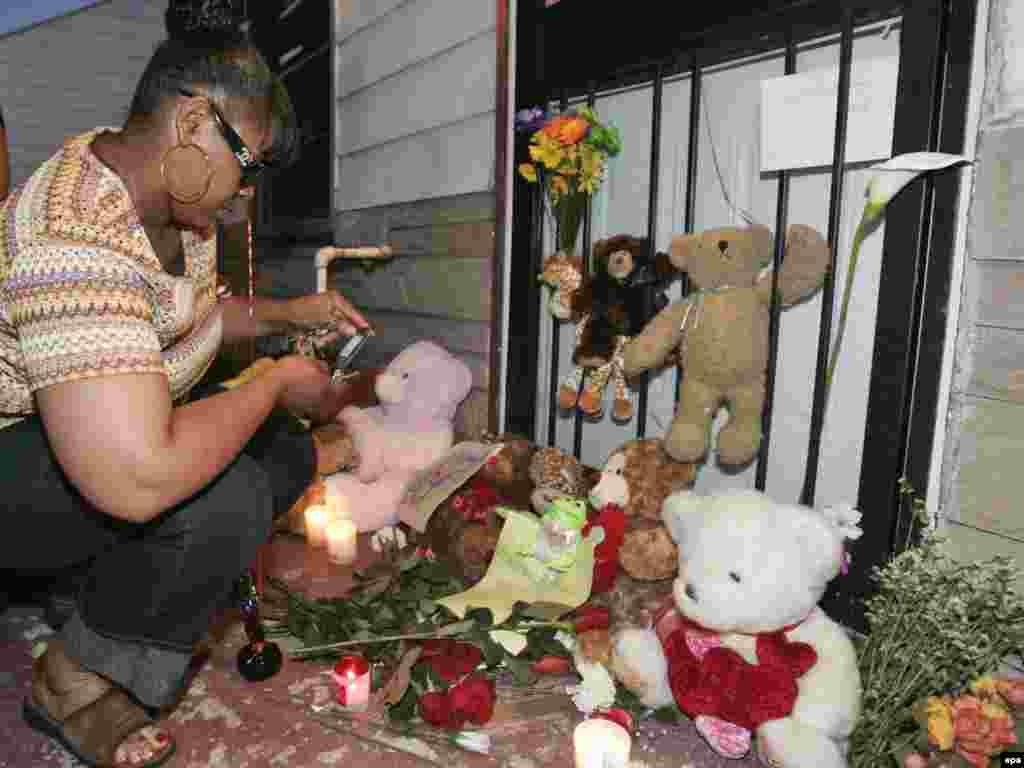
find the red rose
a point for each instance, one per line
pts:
(605, 573)
(436, 709)
(473, 699)
(450, 659)
(588, 617)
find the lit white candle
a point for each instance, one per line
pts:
(352, 674)
(338, 504)
(317, 518)
(600, 743)
(341, 541)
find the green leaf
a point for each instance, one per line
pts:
(427, 607)
(405, 709)
(540, 642)
(458, 628)
(521, 670)
(482, 616)
(667, 714)
(493, 652)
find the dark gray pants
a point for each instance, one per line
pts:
(152, 589)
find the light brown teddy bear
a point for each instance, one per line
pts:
(638, 476)
(720, 331)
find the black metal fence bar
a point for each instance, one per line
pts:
(692, 157)
(828, 288)
(556, 340)
(949, 131)
(781, 211)
(577, 419)
(657, 89)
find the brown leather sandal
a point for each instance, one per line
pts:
(97, 722)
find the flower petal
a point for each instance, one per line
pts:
(899, 171)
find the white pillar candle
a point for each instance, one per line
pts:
(338, 504)
(341, 541)
(600, 743)
(317, 518)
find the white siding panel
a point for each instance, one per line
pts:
(45, 100)
(445, 89)
(452, 160)
(413, 33)
(354, 15)
(453, 288)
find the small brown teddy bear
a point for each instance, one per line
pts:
(638, 476)
(721, 332)
(463, 531)
(611, 306)
(555, 473)
(625, 292)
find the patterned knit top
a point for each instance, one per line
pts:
(82, 292)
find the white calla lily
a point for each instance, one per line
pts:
(895, 173)
(889, 179)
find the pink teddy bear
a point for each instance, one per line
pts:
(410, 430)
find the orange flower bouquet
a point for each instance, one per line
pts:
(569, 155)
(970, 729)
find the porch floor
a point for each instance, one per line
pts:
(225, 722)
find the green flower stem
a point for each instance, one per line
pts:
(569, 214)
(844, 307)
(440, 633)
(313, 649)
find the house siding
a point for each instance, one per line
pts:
(415, 84)
(981, 479)
(72, 74)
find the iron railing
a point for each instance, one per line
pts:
(936, 44)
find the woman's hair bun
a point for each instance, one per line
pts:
(206, 24)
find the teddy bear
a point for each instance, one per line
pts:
(719, 332)
(555, 473)
(638, 476)
(411, 428)
(624, 292)
(463, 531)
(743, 649)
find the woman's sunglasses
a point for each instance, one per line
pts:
(251, 167)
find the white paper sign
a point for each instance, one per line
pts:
(798, 116)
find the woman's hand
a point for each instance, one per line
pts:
(307, 389)
(330, 308)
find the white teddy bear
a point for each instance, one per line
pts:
(745, 650)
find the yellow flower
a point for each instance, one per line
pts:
(940, 722)
(984, 687)
(592, 169)
(547, 152)
(559, 186)
(528, 171)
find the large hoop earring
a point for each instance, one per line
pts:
(184, 199)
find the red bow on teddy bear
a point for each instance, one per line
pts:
(709, 679)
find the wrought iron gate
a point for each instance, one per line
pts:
(642, 47)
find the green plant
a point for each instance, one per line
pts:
(934, 625)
